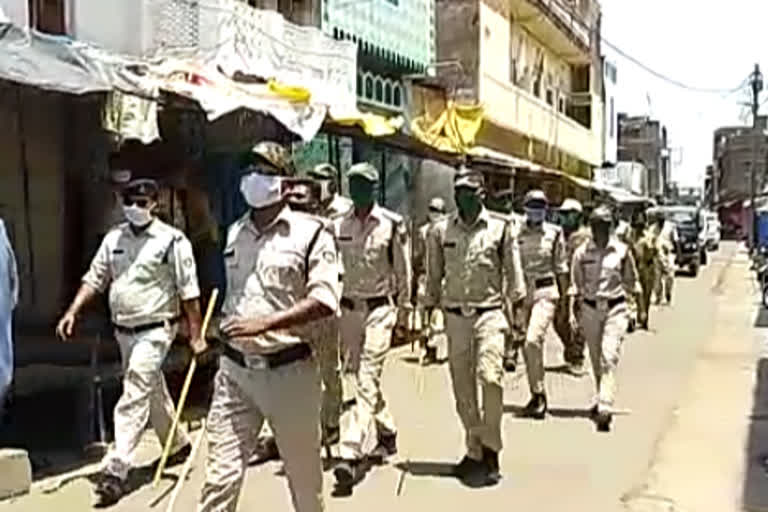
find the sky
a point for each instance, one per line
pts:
(702, 43)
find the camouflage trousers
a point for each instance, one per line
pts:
(475, 356)
(604, 331)
(289, 397)
(145, 398)
(366, 336)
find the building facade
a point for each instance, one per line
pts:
(610, 117)
(733, 154)
(642, 139)
(536, 67)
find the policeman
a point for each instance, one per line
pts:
(501, 202)
(543, 255)
(373, 243)
(473, 266)
(626, 235)
(603, 270)
(575, 234)
(333, 204)
(324, 333)
(282, 273)
(646, 254)
(666, 238)
(431, 320)
(150, 272)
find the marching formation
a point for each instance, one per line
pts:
(316, 284)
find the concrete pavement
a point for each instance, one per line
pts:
(688, 386)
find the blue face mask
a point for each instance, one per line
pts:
(535, 215)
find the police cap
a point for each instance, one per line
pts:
(364, 170)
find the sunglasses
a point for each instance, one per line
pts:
(141, 203)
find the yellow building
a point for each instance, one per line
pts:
(535, 66)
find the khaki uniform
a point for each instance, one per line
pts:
(268, 272)
(543, 255)
(626, 235)
(665, 268)
(377, 279)
(147, 274)
(515, 337)
(647, 255)
(471, 271)
(429, 320)
(572, 340)
(599, 281)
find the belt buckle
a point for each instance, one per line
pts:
(467, 310)
(256, 362)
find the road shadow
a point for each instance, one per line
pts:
(761, 319)
(555, 412)
(427, 468)
(415, 360)
(755, 486)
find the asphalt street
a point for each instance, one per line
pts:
(689, 437)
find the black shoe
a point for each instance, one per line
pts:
(347, 474)
(467, 467)
(430, 356)
(593, 412)
(109, 490)
(387, 445)
(178, 458)
(266, 450)
(537, 407)
(631, 326)
(331, 436)
(603, 421)
(492, 471)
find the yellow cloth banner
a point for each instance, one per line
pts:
(453, 131)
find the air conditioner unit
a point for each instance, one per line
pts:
(16, 11)
(141, 27)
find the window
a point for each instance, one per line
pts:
(379, 91)
(561, 105)
(398, 100)
(48, 16)
(388, 93)
(613, 119)
(369, 87)
(550, 97)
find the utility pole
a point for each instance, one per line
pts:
(756, 84)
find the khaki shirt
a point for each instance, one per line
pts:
(542, 251)
(146, 273)
(603, 273)
(473, 266)
(646, 250)
(574, 240)
(338, 206)
(273, 270)
(374, 255)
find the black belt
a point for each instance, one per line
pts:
(372, 303)
(471, 311)
(612, 303)
(544, 282)
(297, 352)
(145, 327)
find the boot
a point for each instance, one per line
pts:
(467, 468)
(537, 407)
(348, 473)
(430, 356)
(387, 444)
(109, 490)
(510, 361)
(603, 421)
(491, 461)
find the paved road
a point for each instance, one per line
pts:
(687, 386)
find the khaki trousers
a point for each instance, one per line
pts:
(604, 332)
(540, 311)
(326, 350)
(573, 341)
(475, 355)
(366, 336)
(289, 397)
(647, 277)
(665, 275)
(145, 397)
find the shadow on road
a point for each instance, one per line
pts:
(556, 412)
(756, 472)
(761, 319)
(423, 468)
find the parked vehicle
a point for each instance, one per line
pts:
(713, 231)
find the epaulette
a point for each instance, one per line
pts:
(394, 217)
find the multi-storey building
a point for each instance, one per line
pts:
(610, 117)
(642, 139)
(536, 67)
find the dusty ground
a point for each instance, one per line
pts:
(691, 439)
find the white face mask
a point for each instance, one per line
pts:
(137, 216)
(434, 216)
(261, 190)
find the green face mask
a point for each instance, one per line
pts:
(362, 192)
(570, 220)
(499, 204)
(468, 202)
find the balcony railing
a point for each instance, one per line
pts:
(518, 110)
(569, 17)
